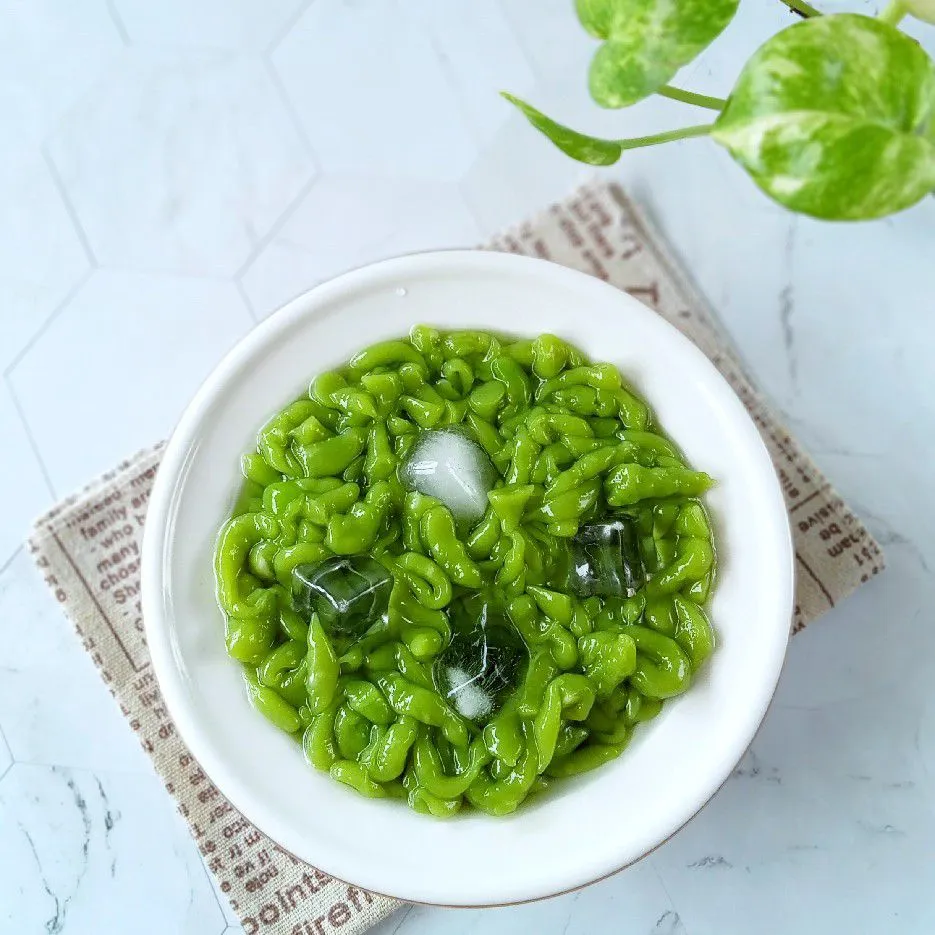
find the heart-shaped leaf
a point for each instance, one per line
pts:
(833, 117)
(580, 146)
(648, 41)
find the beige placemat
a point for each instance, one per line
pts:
(88, 548)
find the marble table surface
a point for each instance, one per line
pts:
(171, 172)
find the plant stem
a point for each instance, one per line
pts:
(892, 13)
(802, 8)
(682, 134)
(691, 97)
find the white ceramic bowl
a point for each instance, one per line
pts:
(589, 826)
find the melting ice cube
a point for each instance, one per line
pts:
(349, 592)
(481, 664)
(453, 468)
(605, 560)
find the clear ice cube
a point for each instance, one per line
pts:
(453, 468)
(604, 560)
(348, 592)
(482, 664)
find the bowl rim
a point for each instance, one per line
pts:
(178, 452)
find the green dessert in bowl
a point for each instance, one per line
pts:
(465, 566)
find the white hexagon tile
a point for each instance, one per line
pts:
(51, 54)
(821, 813)
(550, 34)
(42, 259)
(347, 220)
(156, 339)
(372, 94)
(54, 708)
(233, 24)
(20, 471)
(480, 56)
(518, 172)
(71, 836)
(180, 161)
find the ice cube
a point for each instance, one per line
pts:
(482, 663)
(453, 468)
(349, 592)
(605, 560)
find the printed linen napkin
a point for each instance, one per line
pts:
(88, 548)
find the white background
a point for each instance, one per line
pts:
(171, 172)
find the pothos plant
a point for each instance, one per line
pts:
(833, 117)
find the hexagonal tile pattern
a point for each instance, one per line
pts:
(480, 55)
(231, 24)
(372, 94)
(158, 169)
(155, 339)
(81, 728)
(51, 54)
(181, 162)
(20, 472)
(41, 258)
(346, 221)
(70, 836)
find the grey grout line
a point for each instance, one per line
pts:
(276, 227)
(69, 207)
(451, 79)
(402, 921)
(213, 888)
(484, 233)
(277, 81)
(520, 41)
(118, 22)
(287, 27)
(6, 564)
(251, 311)
(30, 438)
(6, 743)
(291, 208)
(28, 346)
(164, 273)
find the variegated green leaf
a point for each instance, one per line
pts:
(648, 41)
(580, 146)
(833, 116)
(597, 16)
